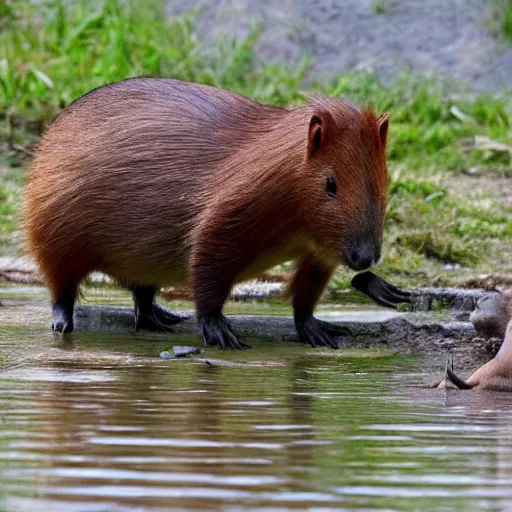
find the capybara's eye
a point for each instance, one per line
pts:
(331, 187)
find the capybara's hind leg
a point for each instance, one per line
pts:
(63, 285)
(148, 314)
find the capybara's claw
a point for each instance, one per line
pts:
(318, 333)
(450, 375)
(157, 319)
(380, 291)
(460, 383)
(449, 362)
(217, 331)
(165, 316)
(333, 329)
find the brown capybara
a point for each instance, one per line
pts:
(160, 182)
(496, 375)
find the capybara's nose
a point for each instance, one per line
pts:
(361, 258)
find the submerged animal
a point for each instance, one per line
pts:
(160, 182)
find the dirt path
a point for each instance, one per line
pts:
(441, 37)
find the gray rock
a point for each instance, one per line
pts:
(165, 354)
(184, 351)
(454, 299)
(490, 317)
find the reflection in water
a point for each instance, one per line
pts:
(313, 432)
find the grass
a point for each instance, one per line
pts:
(383, 6)
(444, 207)
(504, 15)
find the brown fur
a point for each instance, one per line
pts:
(162, 182)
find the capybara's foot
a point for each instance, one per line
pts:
(156, 318)
(318, 333)
(380, 291)
(149, 316)
(63, 316)
(217, 331)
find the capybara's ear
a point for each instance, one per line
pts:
(382, 127)
(319, 126)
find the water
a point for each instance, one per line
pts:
(100, 423)
(300, 431)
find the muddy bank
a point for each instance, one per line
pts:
(431, 336)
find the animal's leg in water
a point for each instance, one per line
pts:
(210, 295)
(148, 314)
(64, 292)
(216, 330)
(306, 287)
(62, 312)
(213, 271)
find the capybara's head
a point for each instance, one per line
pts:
(347, 181)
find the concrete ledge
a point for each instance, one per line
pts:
(455, 299)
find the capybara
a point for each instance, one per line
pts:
(496, 375)
(160, 182)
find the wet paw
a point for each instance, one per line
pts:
(318, 333)
(62, 327)
(217, 331)
(62, 313)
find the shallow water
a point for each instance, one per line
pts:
(99, 422)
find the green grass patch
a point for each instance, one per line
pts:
(383, 6)
(504, 18)
(54, 51)
(11, 181)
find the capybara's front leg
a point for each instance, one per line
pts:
(216, 330)
(306, 287)
(64, 292)
(148, 314)
(212, 279)
(62, 312)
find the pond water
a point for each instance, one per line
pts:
(100, 423)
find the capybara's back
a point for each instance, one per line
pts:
(120, 178)
(162, 182)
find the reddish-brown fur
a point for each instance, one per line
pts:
(162, 182)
